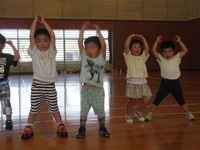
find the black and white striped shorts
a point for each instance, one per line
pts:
(43, 91)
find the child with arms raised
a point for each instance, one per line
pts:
(136, 86)
(43, 51)
(6, 60)
(170, 73)
(93, 54)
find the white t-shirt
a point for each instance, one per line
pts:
(170, 68)
(44, 64)
(136, 67)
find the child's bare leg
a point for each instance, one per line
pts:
(129, 105)
(8, 117)
(189, 115)
(31, 118)
(149, 115)
(57, 117)
(185, 108)
(143, 104)
(61, 131)
(153, 107)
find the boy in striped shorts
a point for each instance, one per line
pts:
(6, 60)
(43, 51)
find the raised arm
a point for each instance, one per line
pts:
(49, 29)
(80, 39)
(184, 49)
(101, 39)
(16, 53)
(32, 31)
(146, 46)
(155, 46)
(127, 43)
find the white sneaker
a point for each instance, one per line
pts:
(149, 116)
(139, 115)
(190, 116)
(128, 118)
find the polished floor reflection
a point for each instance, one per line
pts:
(168, 130)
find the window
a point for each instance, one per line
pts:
(23, 40)
(68, 57)
(10, 35)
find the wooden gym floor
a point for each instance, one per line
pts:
(169, 130)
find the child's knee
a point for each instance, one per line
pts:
(146, 100)
(7, 111)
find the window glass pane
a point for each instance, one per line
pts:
(24, 33)
(9, 33)
(89, 33)
(59, 45)
(23, 47)
(71, 34)
(72, 50)
(24, 43)
(71, 45)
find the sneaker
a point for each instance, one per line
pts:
(139, 115)
(9, 125)
(190, 116)
(81, 132)
(61, 131)
(103, 132)
(28, 132)
(128, 118)
(149, 116)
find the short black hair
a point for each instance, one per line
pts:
(2, 39)
(136, 42)
(41, 31)
(167, 44)
(93, 39)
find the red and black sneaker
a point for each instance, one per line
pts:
(28, 132)
(61, 131)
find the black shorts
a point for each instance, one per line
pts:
(172, 87)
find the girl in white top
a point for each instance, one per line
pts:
(136, 87)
